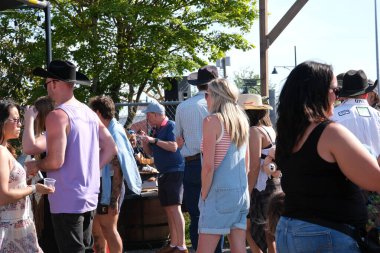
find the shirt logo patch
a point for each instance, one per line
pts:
(343, 112)
(363, 111)
(359, 101)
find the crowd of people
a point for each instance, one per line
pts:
(310, 184)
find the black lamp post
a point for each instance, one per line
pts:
(45, 5)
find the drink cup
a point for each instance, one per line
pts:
(49, 182)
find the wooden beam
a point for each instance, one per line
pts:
(267, 39)
(285, 20)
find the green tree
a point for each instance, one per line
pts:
(125, 46)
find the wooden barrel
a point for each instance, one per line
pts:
(143, 222)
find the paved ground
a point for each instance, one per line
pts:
(154, 250)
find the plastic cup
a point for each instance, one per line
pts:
(49, 182)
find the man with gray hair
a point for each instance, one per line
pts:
(168, 160)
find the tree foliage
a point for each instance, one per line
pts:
(125, 46)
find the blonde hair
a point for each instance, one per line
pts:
(225, 107)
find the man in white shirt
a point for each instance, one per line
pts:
(188, 120)
(355, 113)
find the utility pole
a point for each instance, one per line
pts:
(267, 39)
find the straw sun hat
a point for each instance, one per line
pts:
(252, 102)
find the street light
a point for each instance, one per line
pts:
(285, 67)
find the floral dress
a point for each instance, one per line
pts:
(17, 230)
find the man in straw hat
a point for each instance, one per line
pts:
(355, 113)
(74, 137)
(188, 119)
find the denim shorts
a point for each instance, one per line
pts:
(297, 236)
(223, 210)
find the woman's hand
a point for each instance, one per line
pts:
(31, 113)
(31, 167)
(43, 189)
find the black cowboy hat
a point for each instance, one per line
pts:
(355, 83)
(64, 71)
(203, 76)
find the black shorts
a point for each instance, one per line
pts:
(170, 188)
(103, 209)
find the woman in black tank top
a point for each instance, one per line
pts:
(323, 166)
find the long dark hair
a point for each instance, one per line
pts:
(43, 105)
(303, 99)
(5, 106)
(258, 117)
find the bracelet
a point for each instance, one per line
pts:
(33, 188)
(155, 140)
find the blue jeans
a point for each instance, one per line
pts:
(297, 236)
(191, 192)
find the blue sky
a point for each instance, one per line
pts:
(336, 32)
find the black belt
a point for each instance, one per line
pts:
(193, 157)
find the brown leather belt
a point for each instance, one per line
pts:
(193, 157)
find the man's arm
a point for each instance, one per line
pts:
(170, 144)
(58, 126)
(117, 182)
(167, 145)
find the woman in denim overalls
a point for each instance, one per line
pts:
(224, 201)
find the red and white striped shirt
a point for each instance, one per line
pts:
(221, 147)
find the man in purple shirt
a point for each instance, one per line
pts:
(78, 145)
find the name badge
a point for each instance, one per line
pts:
(363, 111)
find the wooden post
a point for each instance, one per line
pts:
(263, 19)
(267, 39)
